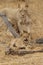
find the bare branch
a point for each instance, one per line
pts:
(9, 25)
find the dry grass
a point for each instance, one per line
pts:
(35, 10)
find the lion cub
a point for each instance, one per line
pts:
(18, 44)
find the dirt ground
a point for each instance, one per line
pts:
(34, 30)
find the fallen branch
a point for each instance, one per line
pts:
(40, 40)
(12, 52)
(9, 25)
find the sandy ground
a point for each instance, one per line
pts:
(35, 9)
